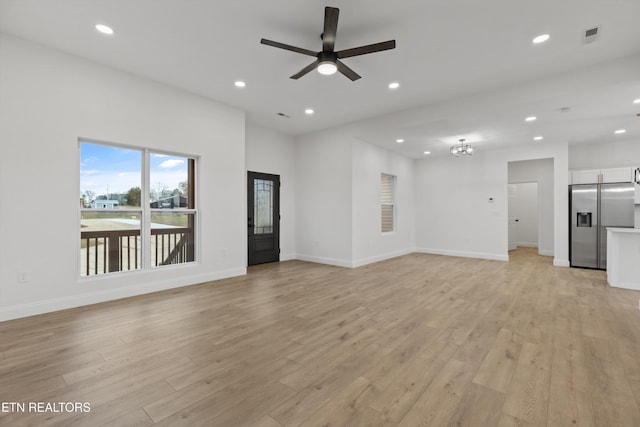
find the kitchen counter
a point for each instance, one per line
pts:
(623, 257)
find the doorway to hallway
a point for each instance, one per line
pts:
(523, 215)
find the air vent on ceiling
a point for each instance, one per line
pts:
(592, 34)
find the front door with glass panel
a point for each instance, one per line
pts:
(263, 217)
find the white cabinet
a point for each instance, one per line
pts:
(617, 175)
(595, 176)
(623, 269)
(585, 177)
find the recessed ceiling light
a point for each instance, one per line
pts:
(636, 101)
(394, 85)
(400, 140)
(427, 152)
(530, 118)
(104, 29)
(537, 138)
(619, 131)
(541, 38)
(308, 111)
(240, 83)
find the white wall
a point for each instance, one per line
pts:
(272, 152)
(369, 243)
(323, 198)
(540, 171)
(454, 215)
(48, 100)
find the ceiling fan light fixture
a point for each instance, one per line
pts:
(327, 68)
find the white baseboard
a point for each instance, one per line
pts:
(545, 253)
(463, 254)
(625, 285)
(370, 260)
(323, 260)
(353, 263)
(287, 257)
(528, 244)
(561, 262)
(57, 304)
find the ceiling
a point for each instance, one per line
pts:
(466, 68)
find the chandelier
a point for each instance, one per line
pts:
(463, 148)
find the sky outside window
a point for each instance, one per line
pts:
(168, 176)
(108, 172)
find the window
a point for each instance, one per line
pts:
(137, 209)
(387, 202)
(263, 206)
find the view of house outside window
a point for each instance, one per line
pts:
(137, 209)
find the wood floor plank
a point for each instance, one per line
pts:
(500, 363)
(613, 400)
(438, 403)
(528, 393)
(267, 421)
(569, 392)
(480, 406)
(343, 408)
(137, 418)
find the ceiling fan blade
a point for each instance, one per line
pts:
(330, 28)
(305, 70)
(347, 71)
(363, 50)
(289, 47)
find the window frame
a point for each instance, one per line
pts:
(391, 203)
(145, 211)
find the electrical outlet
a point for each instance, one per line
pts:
(23, 277)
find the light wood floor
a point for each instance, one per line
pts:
(419, 340)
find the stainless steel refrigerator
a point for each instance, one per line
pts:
(594, 207)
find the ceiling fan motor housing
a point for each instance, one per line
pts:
(327, 57)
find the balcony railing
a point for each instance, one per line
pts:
(120, 250)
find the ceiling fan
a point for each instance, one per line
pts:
(328, 60)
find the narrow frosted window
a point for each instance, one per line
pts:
(387, 202)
